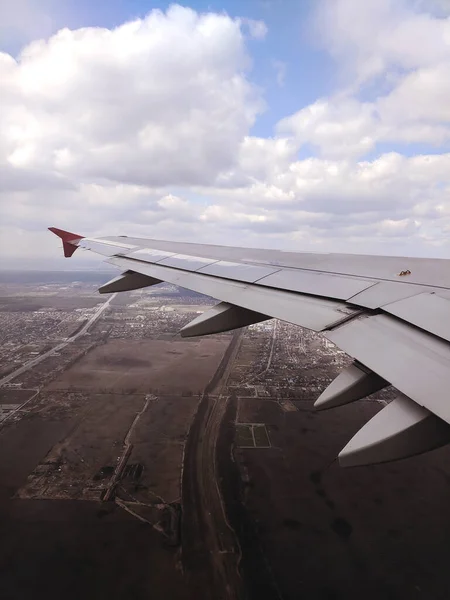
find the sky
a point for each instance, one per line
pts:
(304, 125)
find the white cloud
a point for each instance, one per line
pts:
(394, 55)
(343, 127)
(256, 29)
(146, 130)
(421, 96)
(374, 36)
(155, 101)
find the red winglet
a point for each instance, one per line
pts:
(68, 239)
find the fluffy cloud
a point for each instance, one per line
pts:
(343, 127)
(378, 36)
(395, 54)
(146, 130)
(155, 101)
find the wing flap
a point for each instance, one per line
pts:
(430, 312)
(385, 292)
(413, 361)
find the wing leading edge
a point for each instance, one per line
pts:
(391, 314)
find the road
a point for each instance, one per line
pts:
(32, 363)
(252, 378)
(211, 552)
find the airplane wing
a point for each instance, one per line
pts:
(391, 314)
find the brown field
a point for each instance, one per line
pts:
(22, 445)
(158, 443)
(95, 440)
(66, 447)
(167, 367)
(371, 532)
(15, 396)
(94, 443)
(67, 549)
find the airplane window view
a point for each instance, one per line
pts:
(224, 299)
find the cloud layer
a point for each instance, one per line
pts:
(146, 129)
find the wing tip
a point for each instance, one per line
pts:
(69, 240)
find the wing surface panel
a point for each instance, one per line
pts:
(317, 314)
(105, 249)
(385, 292)
(238, 271)
(186, 262)
(317, 284)
(429, 312)
(413, 361)
(423, 271)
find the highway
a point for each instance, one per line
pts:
(31, 363)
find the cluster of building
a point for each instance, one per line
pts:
(148, 314)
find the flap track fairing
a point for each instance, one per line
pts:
(128, 281)
(222, 317)
(400, 429)
(353, 383)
